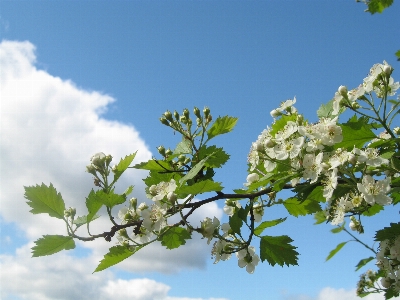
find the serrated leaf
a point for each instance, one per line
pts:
(319, 217)
(336, 250)
(128, 190)
(93, 205)
(338, 229)
(123, 165)
(326, 110)
(153, 165)
(278, 250)
(200, 187)
(221, 125)
(114, 256)
(373, 210)
(260, 228)
(309, 191)
(194, 171)
(109, 199)
(50, 244)
(45, 200)
(398, 55)
(356, 132)
(216, 156)
(79, 221)
(388, 232)
(378, 6)
(175, 237)
(243, 212)
(235, 222)
(363, 262)
(184, 147)
(297, 208)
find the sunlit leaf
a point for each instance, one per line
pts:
(175, 237)
(115, 255)
(336, 250)
(50, 244)
(278, 250)
(221, 125)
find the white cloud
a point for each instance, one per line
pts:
(49, 130)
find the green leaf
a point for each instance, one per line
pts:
(278, 250)
(83, 220)
(153, 165)
(309, 191)
(221, 125)
(111, 199)
(236, 223)
(377, 6)
(398, 55)
(356, 132)
(200, 187)
(175, 237)
(338, 229)
(260, 228)
(128, 190)
(281, 122)
(123, 165)
(216, 156)
(388, 233)
(194, 171)
(297, 208)
(373, 210)
(319, 217)
(336, 250)
(363, 262)
(45, 200)
(50, 244)
(93, 205)
(243, 212)
(115, 256)
(326, 110)
(184, 147)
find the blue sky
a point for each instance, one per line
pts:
(79, 77)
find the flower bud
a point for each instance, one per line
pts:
(253, 177)
(269, 143)
(198, 121)
(108, 159)
(258, 146)
(385, 282)
(168, 116)
(206, 112)
(209, 118)
(91, 169)
(183, 120)
(133, 202)
(299, 119)
(168, 152)
(355, 105)
(196, 112)
(164, 121)
(153, 189)
(172, 197)
(161, 150)
(342, 90)
(352, 159)
(98, 159)
(387, 70)
(275, 113)
(176, 115)
(396, 130)
(186, 113)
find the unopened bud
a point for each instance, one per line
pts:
(176, 115)
(164, 121)
(198, 121)
(387, 70)
(161, 150)
(98, 159)
(196, 112)
(396, 130)
(108, 159)
(269, 143)
(275, 113)
(168, 116)
(172, 197)
(355, 105)
(206, 112)
(168, 152)
(352, 159)
(133, 202)
(186, 113)
(91, 169)
(209, 119)
(183, 120)
(342, 90)
(153, 190)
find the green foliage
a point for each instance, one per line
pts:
(336, 250)
(260, 228)
(93, 205)
(45, 200)
(388, 233)
(373, 210)
(356, 132)
(184, 147)
(338, 229)
(115, 255)
(398, 55)
(235, 222)
(297, 208)
(200, 188)
(153, 165)
(194, 171)
(84, 219)
(363, 262)
(123, 165)
(221, 125)
(175, 237)
(50, 244)
(378, 6)
(278, 250)
(216, 156)
(109, 199)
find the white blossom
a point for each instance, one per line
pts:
(375, 191)
(248, 258)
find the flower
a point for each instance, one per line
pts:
(153, 217)
(288, 148)
(230, 206)
(218, 250)
(312, 166)
(248, 258)
(161, 190)
(208, 227)
(251, 178)
(375, 191)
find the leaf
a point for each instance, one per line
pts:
(338, 229)
(398, 55)
(278, 250)
(235, 222)
(111, 199)
(388, 232)
(153, 165)
(83, 220)
(336, 250)
(123, 165)
(200, 187)
(281, 122)
(309, 191)
(221, 125)
(50, 244)
(194, 171)
(297, 208)
(114, 256)
(243, 212)
(260, 228)
(319, 217)
(45, 200)
(326, 110)
(128, 190)
(356, 132)
(363, 262)
(216, 156)
(93, 205)
(373, 210)
(377, 6)
(184, 147)
(175, 237)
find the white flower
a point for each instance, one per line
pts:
(370, 156)
(251, 178)
(330, 185)
(218, 251)
(248, 258)
(230, 206)
(161, 190)
(375, 191)
(208, 227)
(312, 166)
(258, 212)
(153, 217)
(289, 148)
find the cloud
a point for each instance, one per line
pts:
(329, 293)
(63, 277)
(50, 128)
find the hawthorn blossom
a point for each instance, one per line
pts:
(258, 212)
(370, 156)
(218, 251)
(248, 258)
(231, 206)
(161, 190)
(312, 166)
(330, 184)
(375, 191)
(251, 178)
(208, 228)
(328, 131)
(288, 148)
(153, 217)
